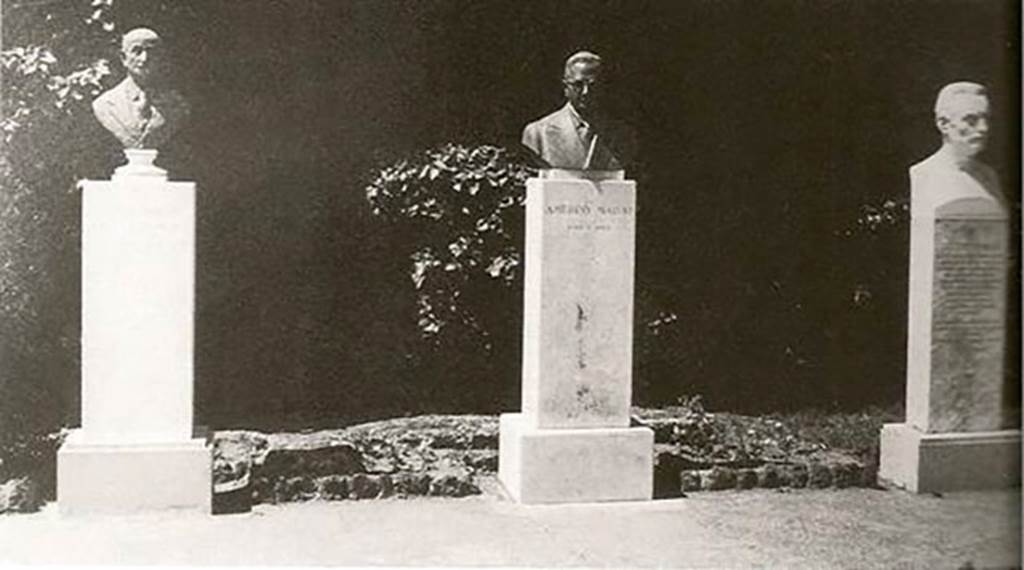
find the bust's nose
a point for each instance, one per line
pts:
(982, 126)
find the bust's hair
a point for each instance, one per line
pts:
(581, 57)
(944, 103)
(137, 35)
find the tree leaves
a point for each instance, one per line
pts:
(462, 209)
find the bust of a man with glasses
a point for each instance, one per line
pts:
(580, 136)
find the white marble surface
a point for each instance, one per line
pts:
(578, 302)
(128, 478)
(957, 300)
(943, 462)
(138, 283)
(574, 465)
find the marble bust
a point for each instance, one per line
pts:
(580, 135)
(954, 171)
(142, 111)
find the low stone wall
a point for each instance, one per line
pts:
(449, 455)
(440, 456)
(455, 456)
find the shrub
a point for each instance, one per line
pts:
(462, 208)
(50, 73)
(456, 214)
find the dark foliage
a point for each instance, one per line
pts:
(52, 68)
(771, 225)
(456, 213)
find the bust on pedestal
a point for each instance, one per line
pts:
(957, 434)
(573, 441)
(137, 448)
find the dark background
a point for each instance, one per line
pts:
(766, 128)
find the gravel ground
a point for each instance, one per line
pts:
(835, 528)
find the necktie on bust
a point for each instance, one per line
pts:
(589, 139)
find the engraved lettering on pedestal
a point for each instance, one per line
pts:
(967, 323)
(587, 218)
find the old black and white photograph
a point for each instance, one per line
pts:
(558, 283)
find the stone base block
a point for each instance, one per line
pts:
(940, 462)
(127, 478)
(575, 465)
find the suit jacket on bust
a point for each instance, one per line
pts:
(556, 140)
(117, 110)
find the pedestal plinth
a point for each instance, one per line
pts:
(957, 434)
(573, 441)
(136, 448)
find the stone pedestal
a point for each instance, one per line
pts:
(136, 448)
(957, 433)
(573, 441)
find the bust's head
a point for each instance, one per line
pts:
(583, 81)
(142, 55)
(962, 116)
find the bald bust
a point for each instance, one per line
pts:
(581, 135)
(962, 116)
(141, 111)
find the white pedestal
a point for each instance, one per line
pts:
(941, 462)
(572, 442)
(955, 436)
(574, 465)
(133, 477)
(138, 287)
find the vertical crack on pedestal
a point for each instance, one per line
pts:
(581, 319)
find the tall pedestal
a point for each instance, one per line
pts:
(136, 449)
(573, 441)
(957, 434)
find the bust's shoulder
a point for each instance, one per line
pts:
(111, 96)
(553, 118)
(931, 165)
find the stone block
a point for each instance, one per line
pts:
(797, 475)
(574, 465)
(718, 478)
(958, 432)
(819, 476)
(690, 481)
(127, 478)
(936, 463)
(578, 302)
(956, 339)
(770, 476)
(138, 289)
(746, 478)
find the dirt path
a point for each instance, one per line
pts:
(849, 528)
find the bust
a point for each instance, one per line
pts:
(580, 135)
(142, 111)
(954, 171)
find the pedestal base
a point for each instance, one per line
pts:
(940, 462)
(125, 478)
(575, 465)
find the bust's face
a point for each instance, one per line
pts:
(965, 125)
(583, 86)
(143, 58)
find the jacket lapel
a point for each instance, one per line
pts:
(562, 134)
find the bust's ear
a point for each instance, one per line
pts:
(941, 123)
